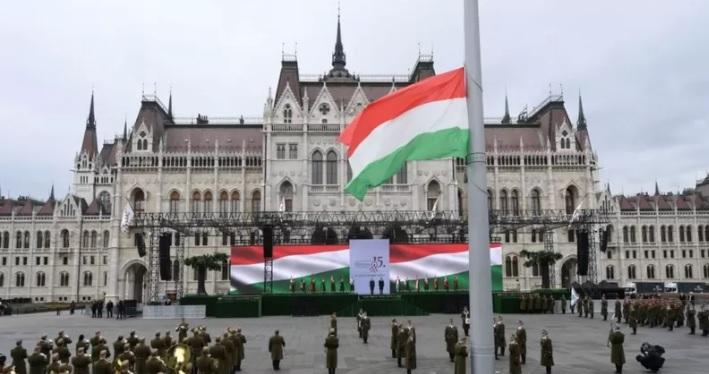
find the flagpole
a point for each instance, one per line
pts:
(480, 289)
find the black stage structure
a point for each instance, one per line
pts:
(337, 227)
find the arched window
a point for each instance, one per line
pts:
(651, 233)
(27, 239)
(651, 271)
(40, 240)
(632, 234)
(700, 233)
(402, 176)
(94, 237)
(64, 279)
(2, 280)
(689, 234)
(536, 199)
(104, 199)
(643, 231)
(610, 233)
(287, 114)
(19, 279)
(47, 239)
(174, 202)
(349, 172)
(433, 193)
(610, 272)
(176, 270)
(85, 239)
(490, 200)
(625, 234)
(670, 234)
(515, 202)
(535, 269)
(138, 200)
(106, 238)
(706, 233)
(235, 202)
(88, 279)
(681, 234)
(223, 204)
(208, 207)
(5, 240)
(631, 272)
(688, 274)
(65, 238)
(663, 234)
(317, 165)
(331, 168)
(40, 279)
(286, 199)
(196, 202)
(570, 199)
(706, 271)
(504, 208)
(256, 201)
(669, 271)
(508, 266)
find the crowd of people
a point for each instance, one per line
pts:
(99, 306)
(313, 285)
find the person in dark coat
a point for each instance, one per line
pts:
(691, 321)
(38, 361)
(499, 332)
(155, 365)
(381, 285)
(342, 284)
(331, 345)
(366, 325)
(103, 366)
(616, 339)
(650, 357)
(332, 283)
(410, 354)
(206, 364)
(401, 339)
(563, 304)
(109, 309)
(275, 347)
(19, 355)
(239, 342)
(451, 337)
(521, 337)
(81, 362)
(547, 352)
(515, 362)
(394, 333)
(618, 311)
(371, 286)
(142, 353)
(604, 307)
(461, 357)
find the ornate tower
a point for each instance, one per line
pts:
(85, 161)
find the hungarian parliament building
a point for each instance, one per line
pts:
(72, 248)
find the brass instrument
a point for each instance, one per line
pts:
(178, 359)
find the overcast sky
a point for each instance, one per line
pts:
(642, 67)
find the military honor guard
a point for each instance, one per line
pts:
(451, 338)
(515, 361)
(331, 345)
(521, 335)
(81, 362)
(615, 341)
(410, 348)
(19, 355)
(465, 316)
(499, 334)
(547, 352)
(276, 344)
(461, 357)
(394, 334)
(366, 325)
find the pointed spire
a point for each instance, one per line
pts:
(51, 193)
(91, 121)
(338, 57)
(125, 129)
(506, 117)
(169, 106)
(657, 189)
(581, 122)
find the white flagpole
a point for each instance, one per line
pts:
(481, 342)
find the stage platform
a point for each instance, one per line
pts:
(347, 304)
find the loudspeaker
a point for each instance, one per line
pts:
(605, 236)
(140, 243)
(267, 241)
(582, 252)
(165, 268)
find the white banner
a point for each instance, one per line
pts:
(369, 266)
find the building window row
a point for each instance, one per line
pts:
(510, 202)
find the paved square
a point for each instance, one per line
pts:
(579, 343)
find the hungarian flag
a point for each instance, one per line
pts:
(425, 121)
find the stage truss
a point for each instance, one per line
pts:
(339, 227)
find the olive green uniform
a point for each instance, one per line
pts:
(461, 354)
(331, 345)
(19, 354)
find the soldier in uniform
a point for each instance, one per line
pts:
(133, 340)
(229, 349)
(410, 353)
(359, 322)
(551, 304)
(19, 354)
(522, 341)
(331, 344)
(45, 345)
(167, 340)
(82, 343)
(461, 354)
(586, 306)
(465, 316)
(126, 358)
(618, 313)
(322, 285)
(591, 306)
(616, 339)
(537, 303)
(366, 325)
(401, 344)
(62, 350)
(703, 317)
(604, 307)
(451, 336)
(523, 303)
(55, 366)
(499, 332)
(332, 283)
(118, 348)
(96, 339)
(182, 330)
(142, 353)
(38, 361)
(691, 322)
(633, 320)
(96, 352)
(545, 304)
(205, 364)
(302, 285)
(103, 366)
(626, 309)
(333, 322)
(563, 304)
(547, 352)
(275, 347)
(240, 341)
(155, 365)
(515, 362)
(196, 344)
(81, 362)
(218, 353)
(291, 284)
(394, 333)
(157, 345)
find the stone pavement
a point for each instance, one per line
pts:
(579, 343)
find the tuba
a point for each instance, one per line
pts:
(178, 359)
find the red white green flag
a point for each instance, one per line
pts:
(424, 121)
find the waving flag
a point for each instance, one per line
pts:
(425, 121)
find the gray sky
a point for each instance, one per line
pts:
(642, 67)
